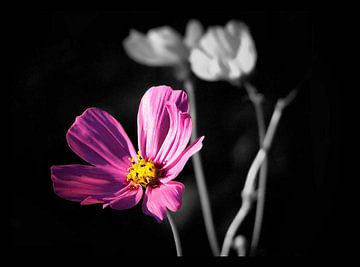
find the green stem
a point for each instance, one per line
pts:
(176, 235)
(200, 176)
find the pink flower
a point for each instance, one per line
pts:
(118, 176)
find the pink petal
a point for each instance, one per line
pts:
(126, 198)
(153, 117)
(100, 140)
(173, 169)
(80, 182)
(161, 198)
(177, 137)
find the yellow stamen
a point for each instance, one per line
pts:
(143, 173)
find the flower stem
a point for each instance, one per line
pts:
(256, 99)
(248, 190)
(175, 234)
(199, 174)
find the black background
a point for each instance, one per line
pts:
(66, 61)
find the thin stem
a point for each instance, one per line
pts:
(176, 235)
(200, 176)
(248, 190)
(190, 88)
(244, 209)
(260, 204)
(256, 99)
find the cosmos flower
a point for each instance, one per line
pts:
(117, 175)
(224, 53)
(163, 46)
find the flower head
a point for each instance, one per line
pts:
(117, 175)
(163, 46)
(224, 53)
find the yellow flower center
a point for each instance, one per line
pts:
(143, 173)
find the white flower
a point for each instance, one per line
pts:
(224, 53)
(163, 46)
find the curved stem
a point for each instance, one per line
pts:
(245, 207)
(176, 235)
(256, 99)
(248, 191)
(200, 176)
(260, 204)
(247, 199)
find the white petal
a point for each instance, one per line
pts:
(227, 43)
(246, 56)
(234, 71)
(194, 31)
(210, 43)
(138, 48)
(203, 66)
(235, 28)
(227, 70)
(168, 44)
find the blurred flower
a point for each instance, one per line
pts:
(224, 53)
(117, 176)
(163, 46)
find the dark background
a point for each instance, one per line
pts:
(66, 61)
